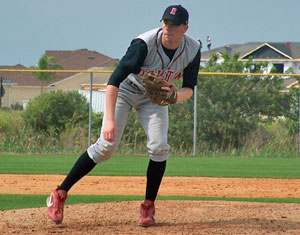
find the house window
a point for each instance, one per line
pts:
(279, 68)
(253, 68)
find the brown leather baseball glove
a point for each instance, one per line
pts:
(153, 84)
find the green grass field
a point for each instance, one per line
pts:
(177, 166)
(287, 168)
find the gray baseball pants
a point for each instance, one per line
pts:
(154, 119)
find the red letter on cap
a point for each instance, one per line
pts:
(173, 11)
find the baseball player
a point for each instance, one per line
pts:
(168, 52)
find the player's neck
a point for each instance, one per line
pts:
(170, 45)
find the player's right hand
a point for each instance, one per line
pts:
(110, 131)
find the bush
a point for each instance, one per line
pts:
(52, 112)
(271, 140)
(10, 121)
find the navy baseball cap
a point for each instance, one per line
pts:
(177, 14)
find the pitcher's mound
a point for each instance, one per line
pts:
(172, 217)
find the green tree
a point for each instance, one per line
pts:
(46, 63)
(230, 107)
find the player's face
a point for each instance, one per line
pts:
(171, 32)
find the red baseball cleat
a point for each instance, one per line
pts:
(55, 203)
(147, 212)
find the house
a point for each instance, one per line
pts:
(284, 56)
(20, 87)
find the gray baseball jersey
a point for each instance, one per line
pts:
(158, 62)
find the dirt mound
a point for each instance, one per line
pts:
(173, 217)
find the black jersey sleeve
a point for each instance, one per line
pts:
(131, 62)
(190, 73)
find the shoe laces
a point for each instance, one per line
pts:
(146, 210)
(62, 196)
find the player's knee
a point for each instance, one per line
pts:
(101, 151)
(159, 153)
(99, 157)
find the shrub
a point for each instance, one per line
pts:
(10, 121)
(51, 112)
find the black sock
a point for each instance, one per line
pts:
(155, 174)
(83, 165)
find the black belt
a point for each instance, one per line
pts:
(134, 85)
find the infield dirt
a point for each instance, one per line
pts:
(173, 217)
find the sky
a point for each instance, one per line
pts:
(30, 27)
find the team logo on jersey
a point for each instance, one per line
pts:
(173, 11)
(168, 75)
